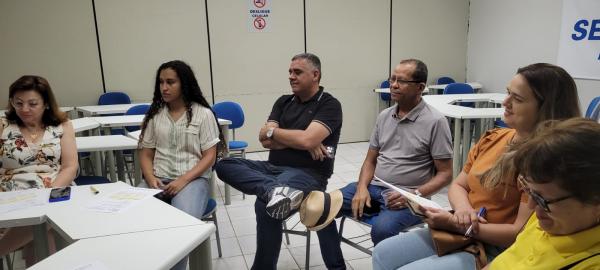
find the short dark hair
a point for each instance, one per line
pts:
(312, 59)
(420, 72)
(564, 153)
(52, 116)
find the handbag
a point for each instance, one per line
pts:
(447, 242)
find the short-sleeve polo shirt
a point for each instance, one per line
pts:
(291, 113)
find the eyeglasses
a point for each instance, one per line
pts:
(393, 80)
(539, 200)
(19, 105)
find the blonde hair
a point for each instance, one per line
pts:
(556, 94)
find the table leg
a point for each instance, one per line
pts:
(40, 241)
(111, 166)
(456, 149)
(137, 170)
(225, 131)
(120, 166)
(466, 141)
(200, 258)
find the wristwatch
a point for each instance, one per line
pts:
(270, 132)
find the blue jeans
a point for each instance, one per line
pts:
(191, 199)
(258, 178)
(385, 223)
(415, 250)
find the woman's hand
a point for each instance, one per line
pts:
(438, 218)
(175, 186)
(154, 182)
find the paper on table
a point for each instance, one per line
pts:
(95, 265)
(15, 200)
(413, 198)
(121, 200)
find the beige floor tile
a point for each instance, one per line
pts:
(230, 263)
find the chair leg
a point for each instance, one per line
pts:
(307, 261)
(9, 262)
(217, 234)
(285, 229)
(342, 227)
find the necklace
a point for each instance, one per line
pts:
(34, 135)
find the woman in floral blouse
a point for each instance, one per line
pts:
(37, 147)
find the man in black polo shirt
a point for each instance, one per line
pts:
(302, 134)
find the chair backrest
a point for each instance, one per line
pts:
(136, 110)
(460, 88)
(445, 80)
(385, 96)
(593, 108)
(231, 111)
(110, 98)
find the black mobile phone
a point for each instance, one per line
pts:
(373, 210)
(60, 194)
(163, 197)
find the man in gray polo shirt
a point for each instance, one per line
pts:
(410, 147)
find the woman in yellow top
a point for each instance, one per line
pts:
(560, 169)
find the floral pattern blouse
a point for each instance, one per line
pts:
(25, 165)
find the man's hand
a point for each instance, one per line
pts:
(395, 201)
(318, 153)
(262, 134)
(361, 197)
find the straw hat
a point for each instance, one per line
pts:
(320, 208)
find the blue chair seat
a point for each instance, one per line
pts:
(211, 205)
(500, 123)
(237, 144)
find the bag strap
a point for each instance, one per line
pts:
(577, 262)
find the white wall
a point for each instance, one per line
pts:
(57, 39)
(52, 39)
(506, 35)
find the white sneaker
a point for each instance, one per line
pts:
(283, 201)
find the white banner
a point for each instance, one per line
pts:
(259, 15)
(579, 47)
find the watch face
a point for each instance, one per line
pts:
(270, 132)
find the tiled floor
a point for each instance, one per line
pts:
(237, 223)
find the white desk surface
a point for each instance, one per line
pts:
(159, 249)
(74, 221)
(442, 104)
(83, 124)
(475, 85)
(119, 120)
(105, 143)
(106, 109)
(27, 216)
(64, 109)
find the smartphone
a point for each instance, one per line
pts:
(60, 194)
(373, 210)
(163, 197)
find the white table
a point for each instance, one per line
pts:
(157, 249)
(85, 123)
(462, 116)
(150, 217)
(107, 144)
(95, 110)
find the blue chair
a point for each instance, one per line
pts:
(210, 214)
(460, 88)
(445, 80)
(136, 110)
(500, 124)
(111, 98)
(593, 110)
(385, 96)
(233, 112)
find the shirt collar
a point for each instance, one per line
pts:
(412, 115)
(315, 97)
(568, 245)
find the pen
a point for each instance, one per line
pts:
(94, 190)
(481, 213)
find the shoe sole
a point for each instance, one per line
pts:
(280, 210)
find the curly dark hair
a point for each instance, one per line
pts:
(190, 92)
(52, 116)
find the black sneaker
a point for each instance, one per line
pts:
(283, 201)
